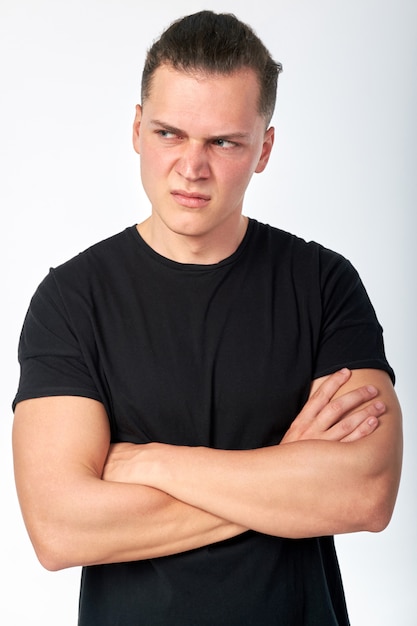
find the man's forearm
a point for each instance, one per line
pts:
(304, 487)
(141, 522)
(114, 522)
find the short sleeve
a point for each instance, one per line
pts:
(351, 335)
(50, 357)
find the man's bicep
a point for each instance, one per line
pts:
(56, 441)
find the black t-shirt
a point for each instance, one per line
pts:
(216, 355)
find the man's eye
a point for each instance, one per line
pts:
(224, 143)
(167, 134)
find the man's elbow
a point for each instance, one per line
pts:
(53, 561)
(381, 481)
(380, 505)
(52, 549)
(378, 519)
(50, 562)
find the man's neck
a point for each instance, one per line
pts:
(206, 249)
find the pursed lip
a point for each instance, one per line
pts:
(191, 199)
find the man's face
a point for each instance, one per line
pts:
(200, 139)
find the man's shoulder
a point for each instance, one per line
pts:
(107, 252)
(102, 262)
(298, 256)
(284, 241)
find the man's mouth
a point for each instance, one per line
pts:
(191, 200)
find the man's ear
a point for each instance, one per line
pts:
(266, 149)
(136, 128)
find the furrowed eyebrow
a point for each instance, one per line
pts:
(168, 127)
(181, 133)
(231, 136)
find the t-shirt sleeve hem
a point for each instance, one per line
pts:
(56, 391)
(377, 364)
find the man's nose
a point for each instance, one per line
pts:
(193, 163)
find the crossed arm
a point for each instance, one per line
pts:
(336, 470)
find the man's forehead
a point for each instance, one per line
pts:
(168, 73)
(216, 105)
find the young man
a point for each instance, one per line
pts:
(204, 400)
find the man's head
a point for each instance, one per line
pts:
(212, 43)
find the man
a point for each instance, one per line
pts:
(204, 400)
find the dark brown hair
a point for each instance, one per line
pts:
(214, 44)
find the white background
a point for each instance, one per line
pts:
(342, 173)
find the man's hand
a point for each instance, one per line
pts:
(330, 417)
(123, 463)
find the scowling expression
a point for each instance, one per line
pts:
(200, 138)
